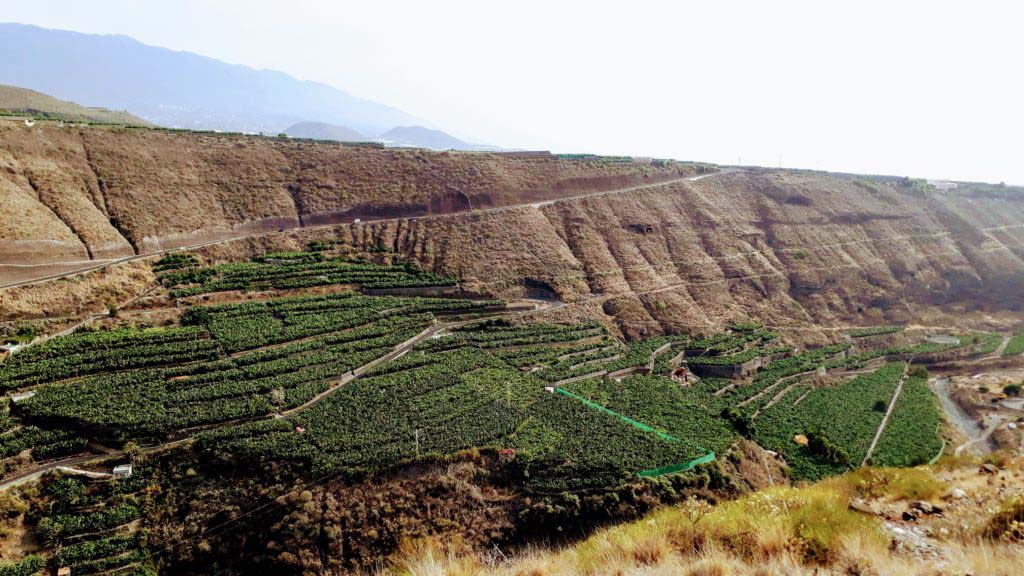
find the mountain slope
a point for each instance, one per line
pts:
(176, 88)
(23, 100)
(324, 131)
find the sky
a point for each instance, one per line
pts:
(926, 89)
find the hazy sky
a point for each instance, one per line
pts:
(932, 89)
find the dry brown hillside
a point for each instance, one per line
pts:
(81, 192)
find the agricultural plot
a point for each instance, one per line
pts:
(664, 405)
(770, 376)
(467, 398)
(483, 385)
(987, 342)
(16, 438)
(222, 375)
(496, 335)
(911, 437)
(727, 342)
(441, 401)
(860, 359)
(844, 419)
(291, 270)
(43, 444)
(573, 447)
(1015, 346)
(873, 331)
(94, 527)
(258, 358)
(90, 353)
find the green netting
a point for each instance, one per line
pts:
(683, 467)
(709, 457)
(597, 406)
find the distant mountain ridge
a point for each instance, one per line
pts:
(178, 89)
(22, 100)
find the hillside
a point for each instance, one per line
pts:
(316, 401)
(854, 524)
(29, 102)
(273, 408)
(790, 248)
(173, 88)
(324, 131)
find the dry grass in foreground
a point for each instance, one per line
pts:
(955, 518)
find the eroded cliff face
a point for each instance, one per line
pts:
(94, 193)
(788, 249)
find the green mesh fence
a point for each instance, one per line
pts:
(597, 406)
(682, 467)
(709, 457)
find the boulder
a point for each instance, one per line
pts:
(926, 507)
(863, 507)
(991, 469)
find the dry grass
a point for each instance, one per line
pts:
(892, 483)
(78, 296)
(776, 531)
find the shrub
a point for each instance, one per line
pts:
(739, 421)
(1007, 524)
(11, 505)
(27, 567)
(918, 372)
(1012, 390)
(899, 483)
(821, 445)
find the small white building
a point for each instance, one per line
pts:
(943, 184)
(123, 471)
(22, 396)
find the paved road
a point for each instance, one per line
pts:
(99, 264)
